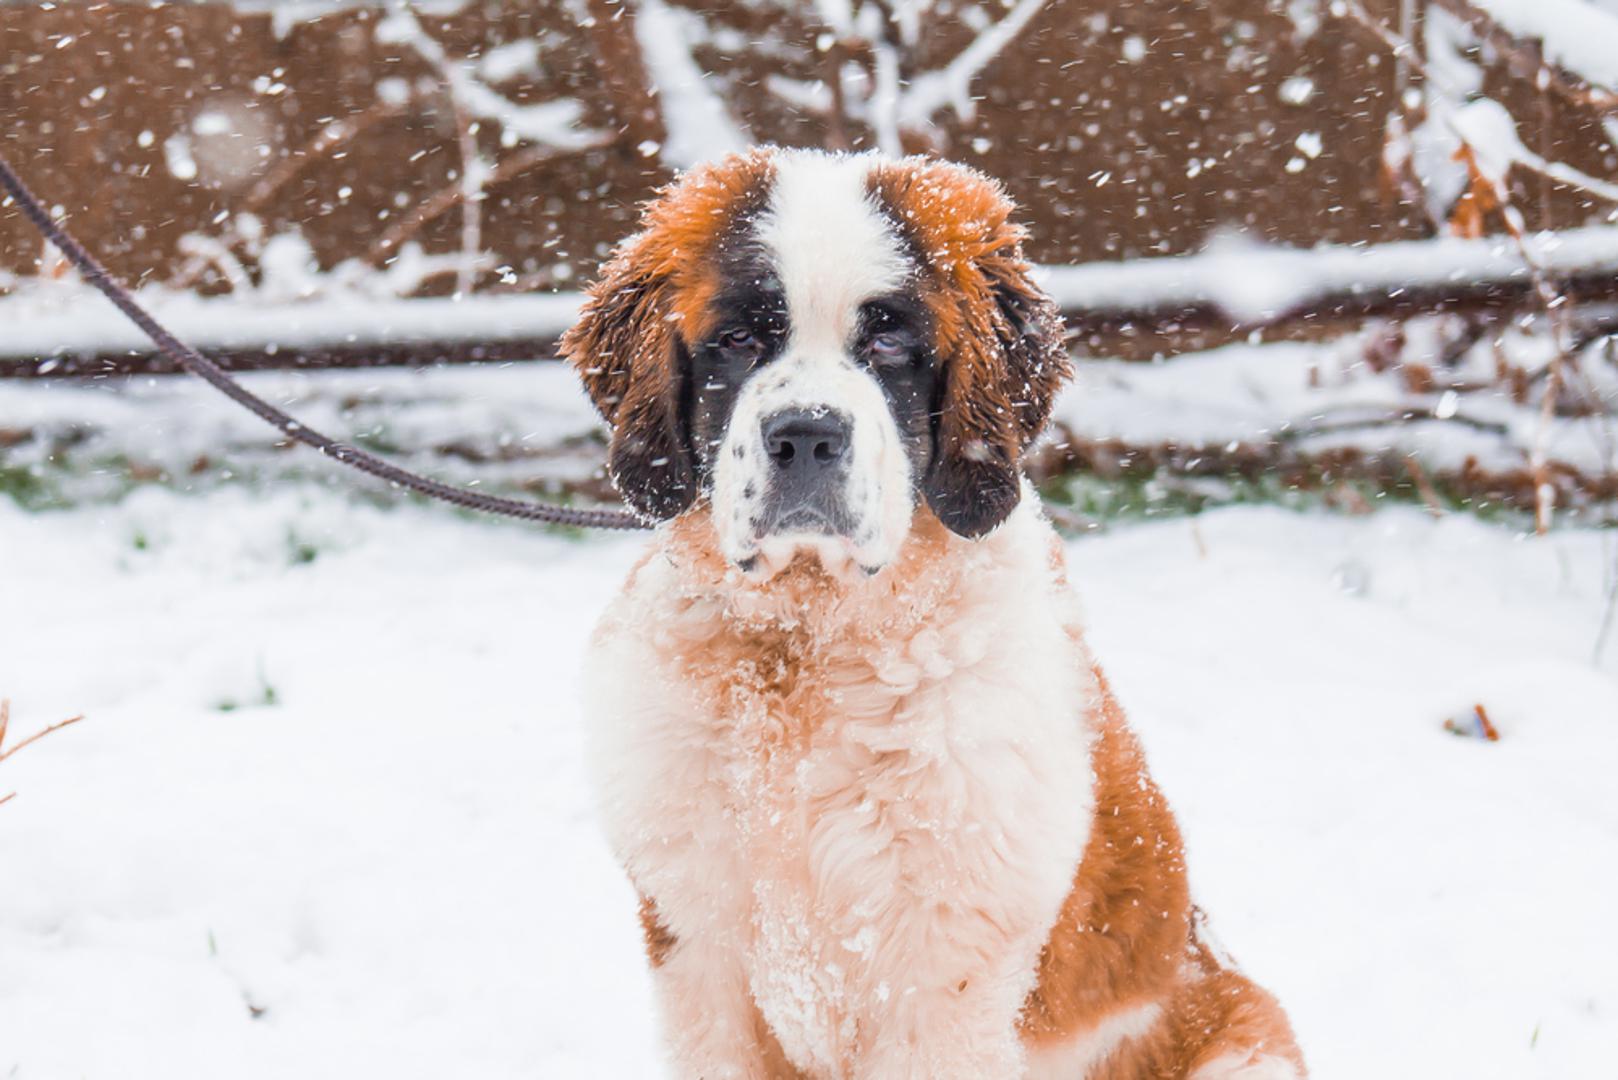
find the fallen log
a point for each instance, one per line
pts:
(1135, 310)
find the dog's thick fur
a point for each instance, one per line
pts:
(884, 824)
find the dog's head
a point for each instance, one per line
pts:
(816, 344)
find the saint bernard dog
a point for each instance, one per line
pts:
(885, 819)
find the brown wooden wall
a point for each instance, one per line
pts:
(1093, 117)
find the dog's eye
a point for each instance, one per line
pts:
(888, 349)
(739, 342)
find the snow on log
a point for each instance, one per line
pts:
(63, 328)
(81, 333)
(1250, 286)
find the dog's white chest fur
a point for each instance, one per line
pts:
(859, 823)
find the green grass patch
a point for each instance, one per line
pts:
(23, 485)
(265, 697)
(1151, 494)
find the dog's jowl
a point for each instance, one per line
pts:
(885, 818)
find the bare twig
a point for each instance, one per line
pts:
(448, 197)
(5, 721)
(334, 136)
(330, 138)
(1609, 610)
(5, 717)
(1325, 426)
(473, 169)
(1424, 486)
(1561, 336)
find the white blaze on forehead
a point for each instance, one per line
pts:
(832, 250)
(831, 244)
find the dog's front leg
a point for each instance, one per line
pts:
(711, 1026)
(660, 763)
(947, 1033)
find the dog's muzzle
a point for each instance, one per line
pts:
(808, 454)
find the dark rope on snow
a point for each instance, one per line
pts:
(190, 360)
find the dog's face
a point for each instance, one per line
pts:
(816, 345)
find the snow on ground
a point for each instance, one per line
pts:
(384, 843)
(486, 424)
(155, 415)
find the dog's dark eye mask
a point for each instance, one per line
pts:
(750, 329)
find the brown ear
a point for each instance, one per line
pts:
(626, 345)
(999, 337)
(627, 353)
(1000, 381)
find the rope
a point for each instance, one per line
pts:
(188, 358)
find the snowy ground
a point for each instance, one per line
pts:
(326, 815)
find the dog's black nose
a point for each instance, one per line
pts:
(803, 442)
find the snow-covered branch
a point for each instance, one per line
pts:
(931, 91)
(1577, 38)
(1491, 132)
(532, 133)
(882, 93)
(1491, 147)
(554, 123)
(1469, 119)
(695, 116)
(549, 124)
(1488, 148)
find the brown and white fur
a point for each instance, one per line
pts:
(884, 815)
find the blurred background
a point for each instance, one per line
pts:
(313, 171)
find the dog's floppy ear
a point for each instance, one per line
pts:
(627, 345)
(627, 353)
(999, 338)
(999, 382)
